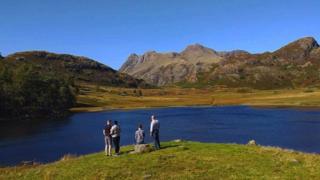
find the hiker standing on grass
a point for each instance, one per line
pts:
(115, 134)
(154, 131)
(139, 135)
(108, 138)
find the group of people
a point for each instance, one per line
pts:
(112, 133)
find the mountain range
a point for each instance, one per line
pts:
(294, 65)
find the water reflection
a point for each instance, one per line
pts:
(28, 128)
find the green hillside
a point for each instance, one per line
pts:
(78, 68)
(39, 84)
(180, 160)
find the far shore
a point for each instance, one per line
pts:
(93, 99)
(101, 109)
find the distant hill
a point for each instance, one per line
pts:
(294, 65)
(39, 84)
(80, 69)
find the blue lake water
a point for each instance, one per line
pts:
(82, 132)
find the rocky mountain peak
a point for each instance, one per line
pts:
(197, 48)
(133, 55)
(297, 51)
(132, 60)
(307, 42)
(194, 47)
(151, 52)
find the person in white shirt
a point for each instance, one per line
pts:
(108, 138)
(115, 134)
(154, 131)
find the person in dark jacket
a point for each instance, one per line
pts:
(108, 138)
(115, 134)
(154, 131)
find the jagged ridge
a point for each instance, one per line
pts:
(295, 64)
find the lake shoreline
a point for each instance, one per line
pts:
(268, 106)
(126, 146)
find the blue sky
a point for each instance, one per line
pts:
(110, 30)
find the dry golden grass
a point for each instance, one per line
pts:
(93, 98)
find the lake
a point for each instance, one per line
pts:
(81, 133)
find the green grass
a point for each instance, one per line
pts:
(180, 160)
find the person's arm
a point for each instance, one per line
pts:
(104, 132)
(111, 130)
(136, 136)
(151, 128)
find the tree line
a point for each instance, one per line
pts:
(28, 92)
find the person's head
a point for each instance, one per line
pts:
(153, 117)
(109, 122)
(116, 122)
(140, 126)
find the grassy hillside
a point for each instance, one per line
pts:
(180, 160)
(78, 68)
(96, 98)
(40, 85)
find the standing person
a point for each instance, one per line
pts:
(154, 131)
(115, 134)
(107, 138)
(139, 135)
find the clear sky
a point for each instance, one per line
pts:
(110, 30)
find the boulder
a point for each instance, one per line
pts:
(177, 140)
(68, 157)
(142, 148)
(29, 163)
(252, 143)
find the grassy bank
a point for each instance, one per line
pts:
(102, 98)
(180, 160)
